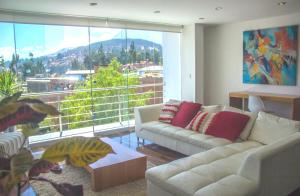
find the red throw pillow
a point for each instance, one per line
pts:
(187, 111)
(228, 125)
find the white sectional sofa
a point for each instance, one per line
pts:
(181, 140)
(265, 163)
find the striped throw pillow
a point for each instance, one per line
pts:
(168, 111)
(208, 121)
(198, 122)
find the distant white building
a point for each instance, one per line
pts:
(78, 74)
(155, 70)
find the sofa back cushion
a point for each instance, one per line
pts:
(228, 125)
(168, 111)
(211, 108)
(197, 123)
(268, 128)
(246, 132)
(187, 111)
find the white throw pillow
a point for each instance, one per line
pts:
(268, 128)
(246, 132)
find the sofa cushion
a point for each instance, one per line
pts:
(168, 111)
(246, 132)
(197, 123)
(190, 175)
(233, 185)
(211, 108)
(187, 111)
(228, 125)
(178, 133)
(268, 128)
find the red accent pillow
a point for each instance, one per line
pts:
(187, 111)
(228, 125)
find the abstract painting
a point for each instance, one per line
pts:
(270, 56)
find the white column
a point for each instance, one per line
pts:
(192, 63)
(172, 66)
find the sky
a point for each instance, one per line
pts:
(47, 39)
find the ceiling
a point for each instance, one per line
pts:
(178, 12)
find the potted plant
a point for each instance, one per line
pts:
(21, 168)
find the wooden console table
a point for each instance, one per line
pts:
(240, 99)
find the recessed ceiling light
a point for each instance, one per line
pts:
(156, 12)
(93, 4)
(201, 18)
(218, 8)
(282, 3)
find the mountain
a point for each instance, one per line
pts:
(111, 45)
(62, 60)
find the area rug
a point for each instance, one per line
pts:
(78, 176)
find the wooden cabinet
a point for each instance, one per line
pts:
(240, 100)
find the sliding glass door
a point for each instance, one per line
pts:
(94, 76)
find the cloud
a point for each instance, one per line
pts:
(7, 52)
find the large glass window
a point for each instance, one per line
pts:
(94, 76)
(8, 60)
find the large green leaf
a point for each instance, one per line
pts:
(44, 108)
(19, 165)
(10, 99)
(9, 109)
(29, 129)
(79, 151)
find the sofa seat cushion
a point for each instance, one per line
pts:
(178, 133)
(190, 175)
(233, 185)
(207, 141)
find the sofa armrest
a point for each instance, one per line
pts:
(275, 167)
(146, 114)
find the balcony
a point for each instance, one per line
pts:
(101, 111)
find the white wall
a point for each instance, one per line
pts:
(199, 63)
(192, 63)
(172, 68)
(223, 56)
(188, 63)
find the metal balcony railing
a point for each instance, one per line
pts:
(82, 108)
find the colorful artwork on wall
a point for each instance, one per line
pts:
(270, 56)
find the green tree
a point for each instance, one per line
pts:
(8, 83)
(111, 98)
(27, 69)
(148, 55)
(39, 67)
(156, 57)
(13, 63)
(123, 57)
(59, 56)
(101, 56)
(132, 53)
(2, 65)
(76, 65)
